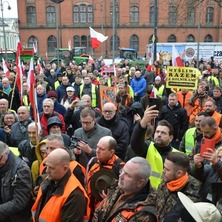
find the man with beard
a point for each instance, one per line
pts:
(192, 135)
(210, 108)
(154, 152)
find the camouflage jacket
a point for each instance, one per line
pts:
(167, 203)
(146, 212)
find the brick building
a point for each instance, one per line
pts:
(132, 25)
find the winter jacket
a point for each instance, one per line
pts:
(177, 117)
(92, 137)
(167, 202)
(133, 209)
(15, 188)
(207, 174)
(120, 132)
(139, 86)
(61, 91)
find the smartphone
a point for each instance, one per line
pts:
(82, 103)
(154, 101)
(206, 143)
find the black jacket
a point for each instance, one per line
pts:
(15, 197)
(120, 132)
(177, 117)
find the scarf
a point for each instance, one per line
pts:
(177, 184)
(217, 136)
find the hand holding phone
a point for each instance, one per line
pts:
(205, 145)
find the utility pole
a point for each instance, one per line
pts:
(155, 30)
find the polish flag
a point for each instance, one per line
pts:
(149, 66)
(176, 60)
(39, 67)
(153, 93)
(35, 47)
(96, 38)
(5, 68)
(19, 68)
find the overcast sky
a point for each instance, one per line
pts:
(10, 13)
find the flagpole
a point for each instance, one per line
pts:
(13, 92)
(114, 5)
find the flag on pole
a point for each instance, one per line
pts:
(176, 60)
(46, 57)
(39, 67)
(153, 93)
(149, 66)
(35, 47)
(96, 38)
(19, 68)
(5, 68)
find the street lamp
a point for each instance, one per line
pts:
(3, 26)
(57, 27)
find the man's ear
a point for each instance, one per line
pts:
(171, 138)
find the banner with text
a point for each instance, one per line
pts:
(182, 77)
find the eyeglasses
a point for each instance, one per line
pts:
(108, 111)
(86, 123)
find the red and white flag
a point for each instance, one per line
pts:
(5, 68)
(39, 67)
(19, 68)
(149, 66)
(96, 38)
(153, 93)
(176, 60)
(35, 47)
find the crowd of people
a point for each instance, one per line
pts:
(137, 157)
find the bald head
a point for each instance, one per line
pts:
(109, 111)
(88, 99)
(57, 163)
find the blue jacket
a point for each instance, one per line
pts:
(138, 85)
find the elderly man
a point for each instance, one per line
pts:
(118, 126)
(105, 159)
(19, 130)
(175, 179)
(15, 187)
(72, 116)
(48, 111)
(127, 201)
(27, 148)
(61, 197)
(88, 136)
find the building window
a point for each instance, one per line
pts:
(76, 41)
(152, 15)
(210, 15)
(172, 15)
(134, 14)
(31, 15)
(83, 41)
(191, 15)
(134, 42)
(172, 38)
(208, 38)
(82, 13)
(116, 40)
(32, 40)
(116, 13)
(50, 15)
(190, 38)
(51, 43)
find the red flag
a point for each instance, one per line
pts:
(5, 68)
(31, 83)
(96, 38)
(176, 60)
(39, 67)
(153, 93)
(149, 66)
(19, 68)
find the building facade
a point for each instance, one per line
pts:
(127, 23)
(11, 33)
